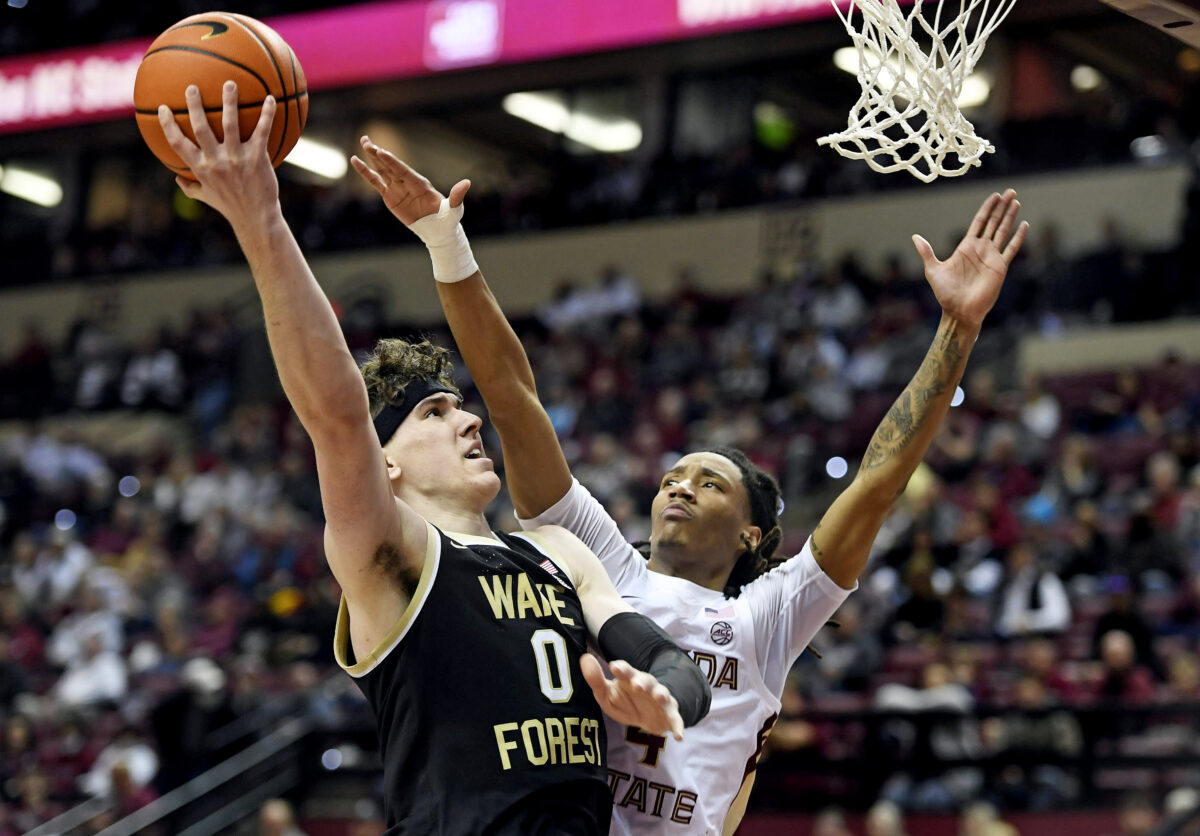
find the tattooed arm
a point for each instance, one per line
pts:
(966, 285)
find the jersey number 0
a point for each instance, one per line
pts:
(546, 643)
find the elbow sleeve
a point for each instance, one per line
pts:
(635, 639)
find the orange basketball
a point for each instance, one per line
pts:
(207, 50)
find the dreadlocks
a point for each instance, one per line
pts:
(765, 498)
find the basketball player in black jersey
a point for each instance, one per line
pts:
(468, 644)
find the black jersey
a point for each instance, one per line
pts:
(486, 725)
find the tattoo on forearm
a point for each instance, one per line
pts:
(938, 373)
(812, 541)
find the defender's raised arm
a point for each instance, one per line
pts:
(966, 285)
(498, 364)
(535, 468)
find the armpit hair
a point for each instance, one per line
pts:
(390, 564)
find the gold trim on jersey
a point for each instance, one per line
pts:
(737, 808)
(475, 539)
(531, 537)
(341, 633)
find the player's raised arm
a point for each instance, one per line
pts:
(316, 368)
(655, 686)
(966, 285)
(535, 469)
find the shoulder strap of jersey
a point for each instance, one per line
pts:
(535, 546)
(342, 651)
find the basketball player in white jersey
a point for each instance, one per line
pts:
(711, 580)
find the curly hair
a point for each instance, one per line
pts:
(393, 364)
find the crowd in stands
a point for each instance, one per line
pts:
(1042, 565)
(162, 230)
(166, 231)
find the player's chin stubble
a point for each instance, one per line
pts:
(669, 540)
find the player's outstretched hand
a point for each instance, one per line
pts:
(407, 195)
(968, 283)
(633, 697)
(233, 177)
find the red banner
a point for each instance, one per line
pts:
(388, 40)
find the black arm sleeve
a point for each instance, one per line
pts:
(635, 639)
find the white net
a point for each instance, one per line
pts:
(912, 70)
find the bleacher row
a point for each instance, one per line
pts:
(183, 583)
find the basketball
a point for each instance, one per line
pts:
(207, 50)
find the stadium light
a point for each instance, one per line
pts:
(611, 135)
(846, 60)
(1147, 147)
(975, 89)
(837, 467)
(540, 109)
(36, 188)
(319, 158)
(1085, 78)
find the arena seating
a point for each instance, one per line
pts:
(199, 560)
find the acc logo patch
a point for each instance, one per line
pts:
(721, 632)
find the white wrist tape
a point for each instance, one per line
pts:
(448, 247)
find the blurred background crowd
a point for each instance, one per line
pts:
(162, 230)
(1041, 569)
(1026, 637)
(733, 128)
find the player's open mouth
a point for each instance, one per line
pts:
(475, 454)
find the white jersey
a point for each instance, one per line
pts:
(744, 645)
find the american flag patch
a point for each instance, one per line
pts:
(559, 576)
(724, 612)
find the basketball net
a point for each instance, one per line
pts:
(908, 118)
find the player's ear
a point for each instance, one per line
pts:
(393, 468)
(750, 537)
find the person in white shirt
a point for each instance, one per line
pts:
(711, 578)
(1033, 600)
(98, 675)
(130, 749)
(91, 619)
